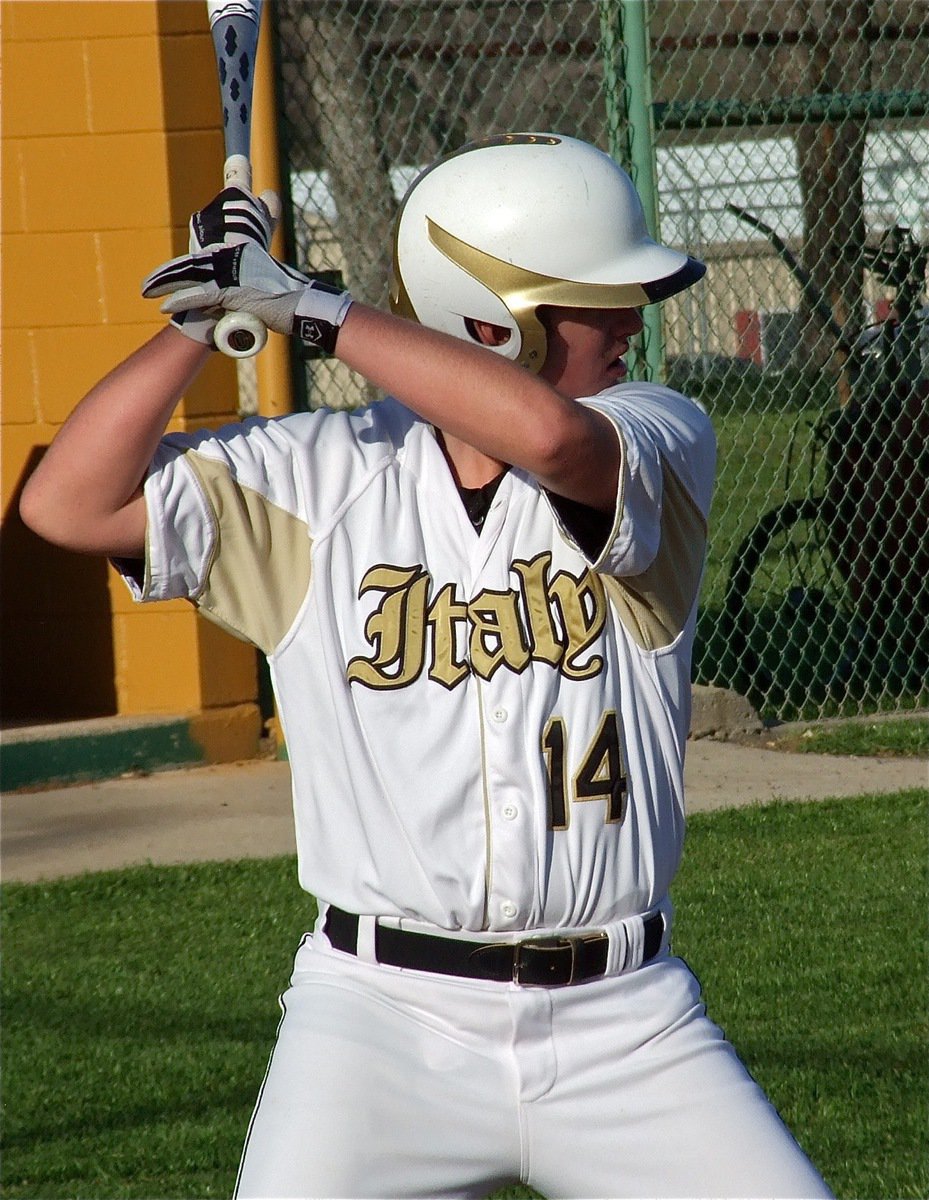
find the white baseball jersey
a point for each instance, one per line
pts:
(486, 731)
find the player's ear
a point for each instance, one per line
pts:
(487, 333)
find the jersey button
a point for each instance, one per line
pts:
(499, 715)
(508, 908)
(510, 811)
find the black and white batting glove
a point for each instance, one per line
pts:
(235, 216)
(231, 218)
(246, 278)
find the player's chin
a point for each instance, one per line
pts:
(615, 372)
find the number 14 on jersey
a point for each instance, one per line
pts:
(601, 775)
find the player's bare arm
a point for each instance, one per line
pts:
(482, 401)
(86, 494)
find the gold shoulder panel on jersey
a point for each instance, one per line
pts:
(655, 605)
(251, 592)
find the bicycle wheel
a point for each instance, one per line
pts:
(794, 634)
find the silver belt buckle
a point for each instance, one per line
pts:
(531, 946)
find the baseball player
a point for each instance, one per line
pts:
(477, 598)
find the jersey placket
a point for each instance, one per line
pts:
(509, 878)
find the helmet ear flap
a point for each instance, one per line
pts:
(526, 343)
(533, 349)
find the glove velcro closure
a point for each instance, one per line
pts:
(319, 315)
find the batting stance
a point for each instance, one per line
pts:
(477, 598)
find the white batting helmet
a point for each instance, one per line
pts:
(501, 226)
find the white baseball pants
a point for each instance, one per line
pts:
(392, 1083)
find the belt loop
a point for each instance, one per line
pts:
(367, 932)
(635, 943)
(618, 954)
(627, 941)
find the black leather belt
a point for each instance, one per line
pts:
(533, 962)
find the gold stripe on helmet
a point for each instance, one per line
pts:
(522, 291)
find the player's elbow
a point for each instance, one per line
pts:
(34, 510)
(78, 514)
(578, 457)
(554, 444)
(52, 521)
(66, 521)
(553, 455)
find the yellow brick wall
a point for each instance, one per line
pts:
(110, 138)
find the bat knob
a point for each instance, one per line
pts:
(239, 335)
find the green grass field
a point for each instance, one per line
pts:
(904, 738)
(139, 1007)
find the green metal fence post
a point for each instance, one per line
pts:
(642, 155)
(613, 92)
(628, 95)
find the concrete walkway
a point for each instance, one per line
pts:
(243, 810)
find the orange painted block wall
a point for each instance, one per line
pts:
(110, 138)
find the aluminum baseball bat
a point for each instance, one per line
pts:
(234, 26)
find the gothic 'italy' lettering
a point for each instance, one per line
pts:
(395, 630)
(551, 620)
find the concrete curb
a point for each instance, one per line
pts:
(108, 747)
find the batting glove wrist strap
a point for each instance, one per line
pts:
(319, 314)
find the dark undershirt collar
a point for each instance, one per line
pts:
(477, 501)
(590, 528)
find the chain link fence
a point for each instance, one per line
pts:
(787, 145)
